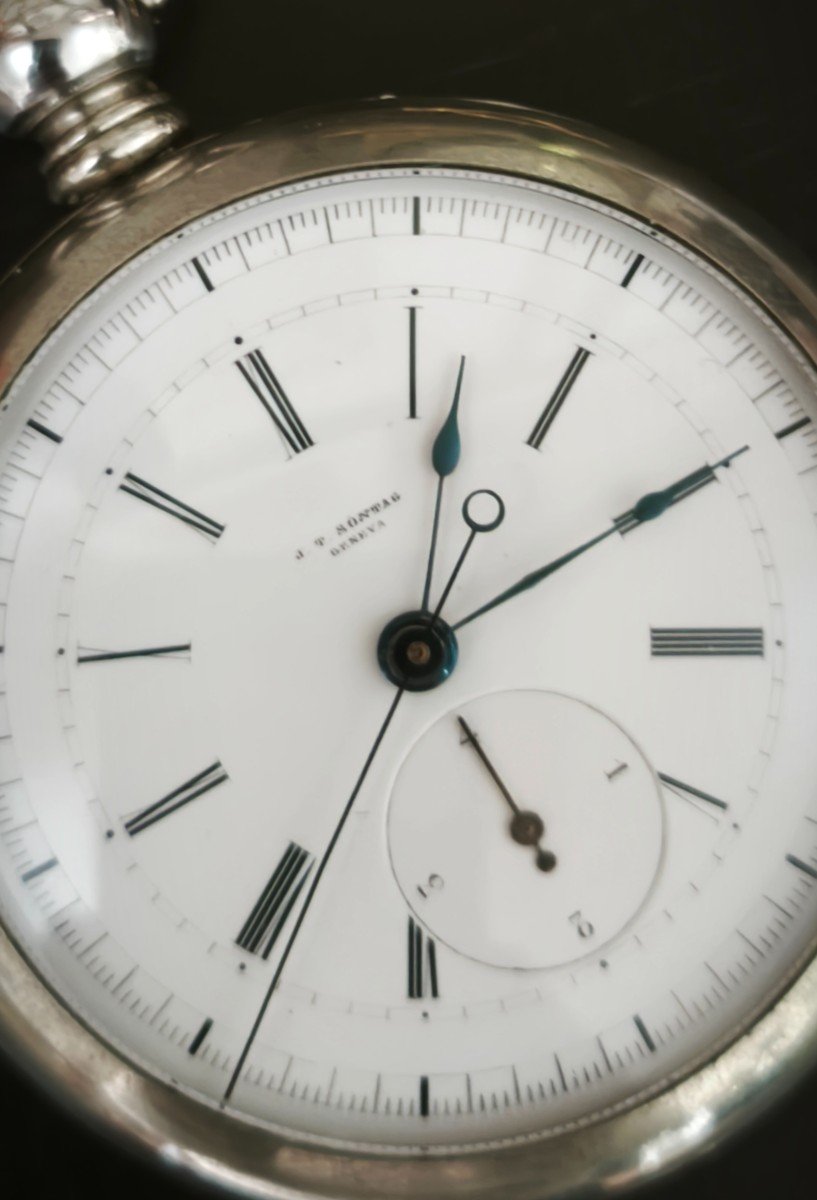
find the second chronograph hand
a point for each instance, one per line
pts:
(488, 521)
(242, 1058)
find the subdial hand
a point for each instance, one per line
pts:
(648, 508)
(526, 827)
(445, 454)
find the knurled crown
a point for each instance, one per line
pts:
(70, 75)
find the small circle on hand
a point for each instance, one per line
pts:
(483, 511)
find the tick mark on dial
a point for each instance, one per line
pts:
(790, 429)
(42, 429)
(200, 1036)
(424, 1097)
(645, 1034)
(415, 215)
(805, 867)
(203, 276)
(634, 265)
(40, 869)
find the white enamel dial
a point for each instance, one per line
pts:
(218, 489)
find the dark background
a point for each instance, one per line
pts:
(726, 87)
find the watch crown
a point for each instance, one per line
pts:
(71, 76)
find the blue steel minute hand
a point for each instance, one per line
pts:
(650, 506)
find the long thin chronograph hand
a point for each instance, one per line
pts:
(316, 879)
(445, 454)
(650, 506)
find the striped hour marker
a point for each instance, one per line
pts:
(261, 929)
(205, 781)
(706, 642)
(135, 486)
(560, 394)
(267, 388)
(422, 964)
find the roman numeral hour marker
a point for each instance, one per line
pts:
(178, 798)
(270, 911)
(705, 643)
(135, 486)
(551, 409)
(422, 964)
(267, 388)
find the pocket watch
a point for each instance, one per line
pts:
(407, 587)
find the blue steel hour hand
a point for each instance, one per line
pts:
(445, 455)
(650, 506)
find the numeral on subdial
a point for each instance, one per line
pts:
(266, 386)
(422, 964)
(191, 790)
(268, 917)
(682, 643)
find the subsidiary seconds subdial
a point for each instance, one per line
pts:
(526, 829)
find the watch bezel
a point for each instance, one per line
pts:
(84, 1073)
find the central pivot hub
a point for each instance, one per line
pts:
(416, 652)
